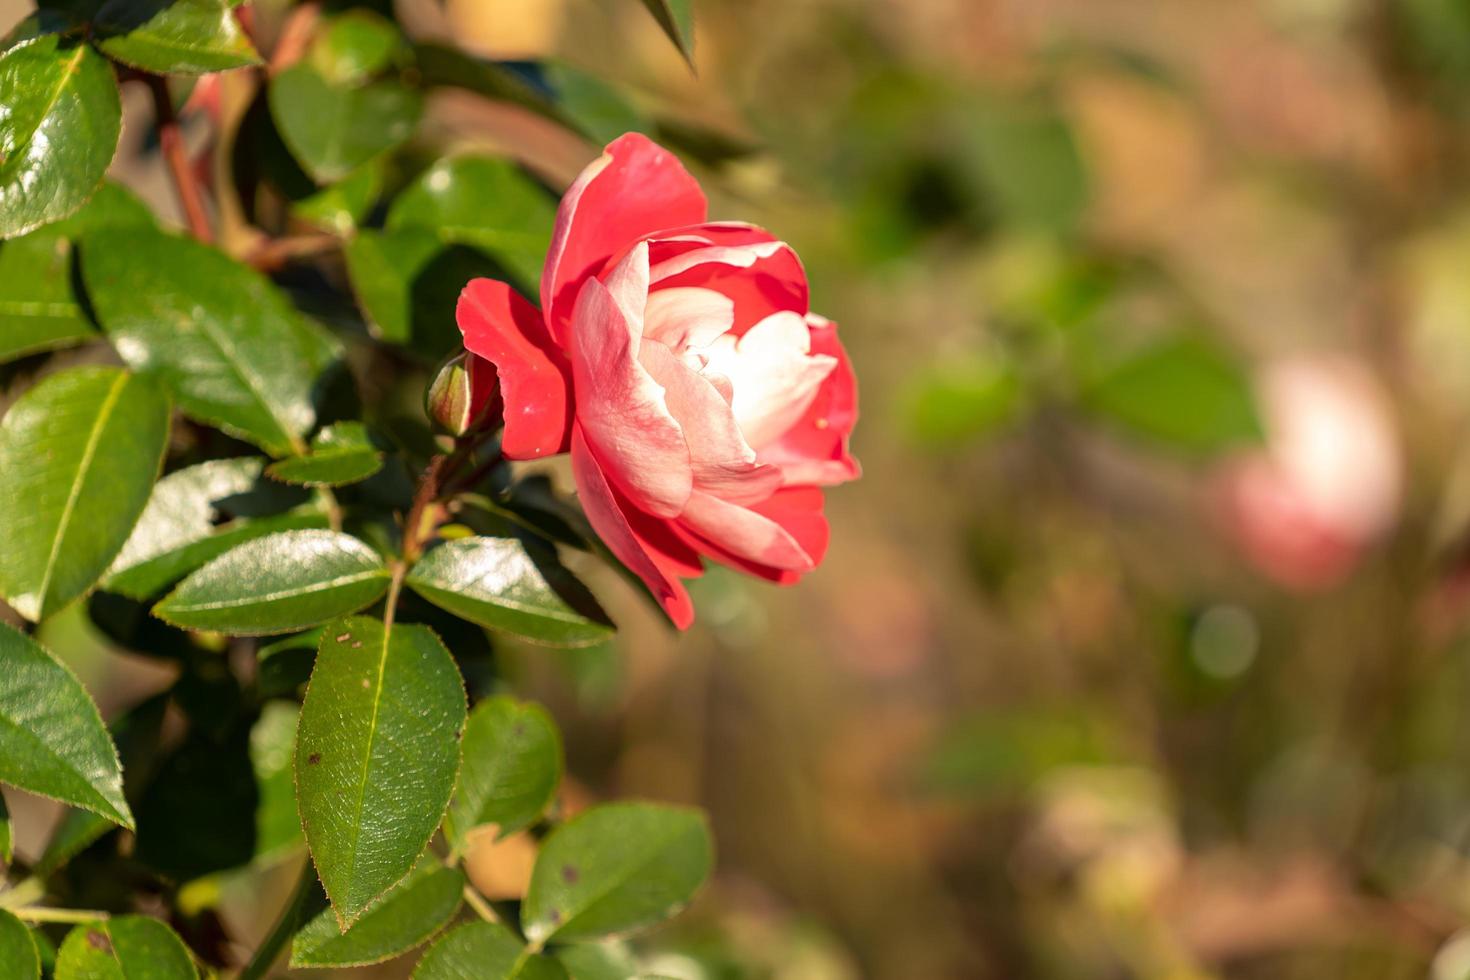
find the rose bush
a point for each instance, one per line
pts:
(704, 405)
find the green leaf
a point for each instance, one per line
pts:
(485, 951)
(198, 513)
(406, 916)
(512, 764)
(512, 586)
(128, 947)
(441, 65)
(331, 129)
(78, 456)
(959, 402)
(52, 742)
(1026, 161)
(598, 108)
(597, 961)
(284, 666)
(354, 46)
(615, 868)
(340, 454)
(19, 958)
(188, 37)
(58, 132)
(377, 751)
(39, 308)
(231, 348)
(485, 203)
(278, 584)
(341, 207)
(676, 19)
(1181, 392)
(272, 747)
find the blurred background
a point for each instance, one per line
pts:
(1140, 649)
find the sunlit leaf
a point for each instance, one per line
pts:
(179, 37)
(512, 764)
(485, 951)
(406, 916)
(127, 947)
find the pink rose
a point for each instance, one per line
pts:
(703, 404)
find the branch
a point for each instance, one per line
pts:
(171, 140)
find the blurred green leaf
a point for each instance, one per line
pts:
(198, 513)
(19, 958)
(377, 750)
(1026, 160)
(484, 951)
(342, 206)
(616, 868)
(177, 37)
(1183, 393)
(58, 132)
(482, 202)
(676, 18)
(597, 961)
(354, 46)
(956, 403)
(224, 340)
(127, 947)
(332, 129)
(406, 916)
(272, 747)
(512, 765)
(508, 585)
(443, 66)
(278, 584)
(78, 456)
(52, 742)
(340, 454)
(598, 109)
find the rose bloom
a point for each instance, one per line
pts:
(703, 404)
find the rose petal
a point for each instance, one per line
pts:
(760, 274)
(507, 331)
(686, 316)
(774, 376)
(744, 533)
(620, 408)
(723, 463)
(653, 555)
(814, 451)
(799, 511)
(636, 188)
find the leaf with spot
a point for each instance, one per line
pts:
(485, 951)
(377, 752)
(128, 947)
(231, 348)
(197, 514)
(278, 584)
(52, 741)
(19, 958)
(511, 585)
(58, 130)
(181, 37)
(485, 203)
(512, 765)
(406, 916)
(340, 454)
(616, 868)
(78, 456)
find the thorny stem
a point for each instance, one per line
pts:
(176, 155)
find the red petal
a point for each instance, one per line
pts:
(633, 190)
(509, 332)
(640, 541)
(815, 450)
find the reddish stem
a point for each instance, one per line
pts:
(171, 140)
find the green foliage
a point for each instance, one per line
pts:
(511, 586)
(485, 951)
(676, 19)
(78, 457)
(226, 343)
(512, 764)
(280, 583)
(59, 130)
(130, 947)
(19, 958)
(299, 487)
(376, 755)
(402, 919)
(616, 868)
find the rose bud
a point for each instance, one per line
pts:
(703, 403)
(462, 394)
